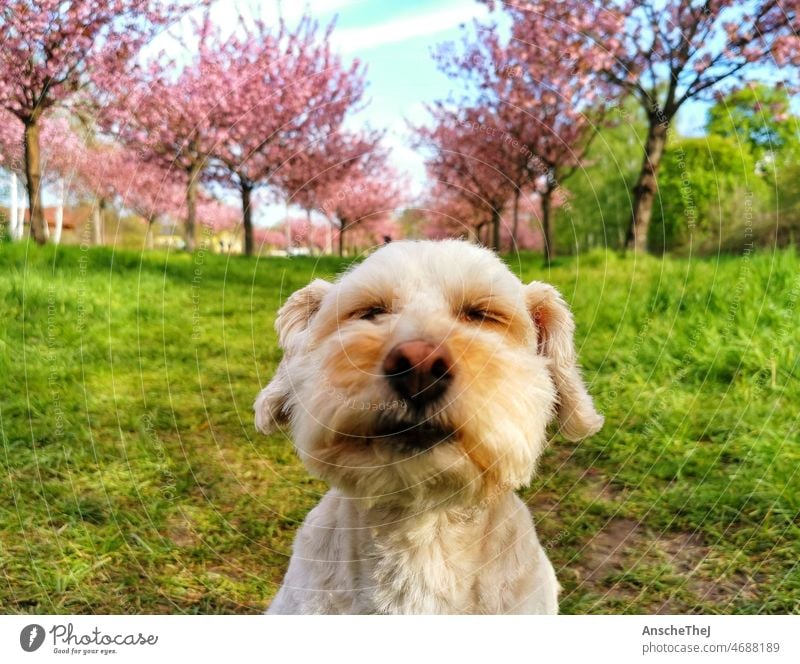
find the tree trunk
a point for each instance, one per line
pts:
(247, 218)
(287, 228)
(515, 221)
(33, 173)
(12, 211)
(59, 213)
(341, 239)
(474, 233)
(97, 221)
(148, 239)
(495, 229)
(547, 224)
(308, 233)
(329, 238)
(21, 213)
(191, 206)
(20, 225)
(646, 186)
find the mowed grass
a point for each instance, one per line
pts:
(132, 479)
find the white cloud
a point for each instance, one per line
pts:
(407, 27)
(293, 10)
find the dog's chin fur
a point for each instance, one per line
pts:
(513, 372)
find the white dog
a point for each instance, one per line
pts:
(420, 386)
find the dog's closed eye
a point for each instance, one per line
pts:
(482, 315)
(368, 313)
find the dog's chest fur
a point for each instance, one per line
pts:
(351, 560)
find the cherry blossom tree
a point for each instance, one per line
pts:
(145, 188)
(216, 217)
(97, 178)
(62, 150)
(302, 232)
(662, 53)
(273, 238)
(543, 119)
(115, 176)
(316, 169)
(379, 230)
(468, 156)
(455, 212)
(52, 50)
(363, 201)
(168, 119)
(60, 154)
(447, 214)
(452, 211)
(286, 89)
(528, 235)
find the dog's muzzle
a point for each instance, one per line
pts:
(419, 371)
(413, 437)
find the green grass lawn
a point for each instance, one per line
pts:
(132, 480)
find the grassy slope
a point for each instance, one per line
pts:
(132, 479)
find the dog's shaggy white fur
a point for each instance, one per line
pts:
(423, 451)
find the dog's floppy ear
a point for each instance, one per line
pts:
(295, 314)
(272, 403)
(555, 329)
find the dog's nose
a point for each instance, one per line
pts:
(419, 371)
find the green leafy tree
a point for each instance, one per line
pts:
(709, 195)
(759, 117)
(597, 201)
(787, 228)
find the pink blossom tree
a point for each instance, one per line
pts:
(469, 157)
(52, 50)
(62, 151)
(662, 53)
(453, 211)
(363, 201)
(302, 232)
(450, 212)
(60, 154)
(168, 120)
(316, 168)
(378, 231)
(97, 178)
(144, 188)
(114, 175)
(286, 90)
(273, 238)
(543, 119)
(218, 219)
(528, 235)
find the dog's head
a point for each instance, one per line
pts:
(426, 375)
